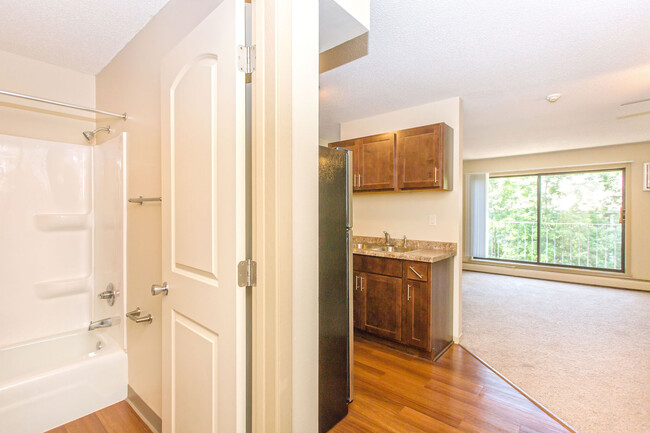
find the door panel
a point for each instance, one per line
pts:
(383, 304)
(419, 157)
(194, 384)
(193, 156)
(377, 162)
(416, 332)
(204, 227)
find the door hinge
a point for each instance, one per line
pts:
(246, 58)
(247, 273)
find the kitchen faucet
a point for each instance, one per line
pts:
(387, 237)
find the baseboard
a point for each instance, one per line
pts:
(560, 275)
(522, 392)
(153, 421)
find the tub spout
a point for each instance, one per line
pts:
(103, 323)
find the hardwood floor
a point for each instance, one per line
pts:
(395, 392)
(398, 393)
(118, 418)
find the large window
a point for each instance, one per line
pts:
(563, 219)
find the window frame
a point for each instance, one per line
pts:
(560, 171)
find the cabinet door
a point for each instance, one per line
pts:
(383, 304)
(359, 303)
(351, 145)
(420, 157)
(377, 162)
(417, 309)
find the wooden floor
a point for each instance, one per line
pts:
(119, 418)
(397, 393)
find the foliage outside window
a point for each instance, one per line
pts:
(565, 219)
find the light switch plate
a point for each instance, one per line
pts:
(433, 220)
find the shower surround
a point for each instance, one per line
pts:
(62, 228)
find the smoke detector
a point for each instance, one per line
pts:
(553, 97)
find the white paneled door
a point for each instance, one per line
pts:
(204, 184)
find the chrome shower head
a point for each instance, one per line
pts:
(89, 135)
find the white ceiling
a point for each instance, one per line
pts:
(83, 35)
(502, 57)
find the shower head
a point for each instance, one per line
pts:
(89, 135)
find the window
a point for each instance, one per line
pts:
(560, 219)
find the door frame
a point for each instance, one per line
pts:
(284, 382)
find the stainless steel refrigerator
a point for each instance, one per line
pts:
(335, 283)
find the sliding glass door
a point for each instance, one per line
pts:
(571, 219)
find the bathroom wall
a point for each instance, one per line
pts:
(45, 238)
(24, 118)
(131, 83)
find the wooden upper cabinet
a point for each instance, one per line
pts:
(424, 157)
(411, 159)
(376, 162)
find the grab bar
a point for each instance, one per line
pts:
(135, 316)
(141, 199)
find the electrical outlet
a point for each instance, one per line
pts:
(432, 220)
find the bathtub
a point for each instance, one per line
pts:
(51, 381)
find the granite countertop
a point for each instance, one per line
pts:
(423, 251)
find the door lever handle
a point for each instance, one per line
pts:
(158, 289)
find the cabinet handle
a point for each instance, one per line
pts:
(435, 174)
(362, 283)
(356, 282)
(408, 292)
(416, 272)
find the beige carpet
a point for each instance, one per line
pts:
(581, 351)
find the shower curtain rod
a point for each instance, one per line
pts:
(62, 104)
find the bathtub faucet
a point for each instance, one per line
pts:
(103, 323)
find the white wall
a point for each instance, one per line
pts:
(407, 213)
(25, 118)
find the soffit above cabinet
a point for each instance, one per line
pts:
(341, 21)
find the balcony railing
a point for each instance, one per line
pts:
(570, 244)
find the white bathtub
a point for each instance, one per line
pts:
(49, 382)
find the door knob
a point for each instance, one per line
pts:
(157, 290)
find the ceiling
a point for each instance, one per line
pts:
(83, 35)
(502, 57)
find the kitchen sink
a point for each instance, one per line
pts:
(387, 248)
(392, 248)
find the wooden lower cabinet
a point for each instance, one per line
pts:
(412, 311)
(383, 305)
(415, 321)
